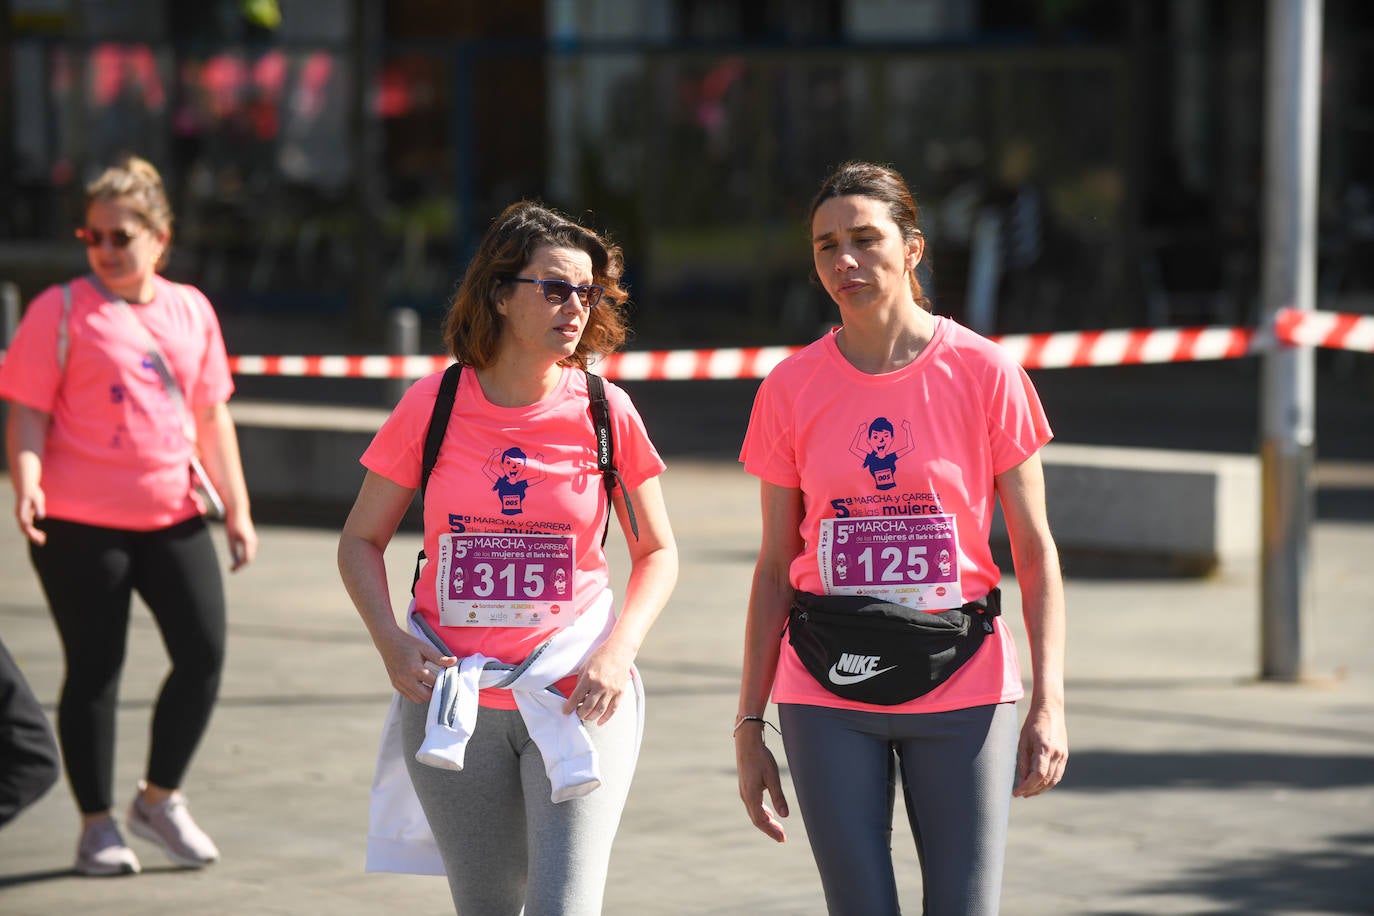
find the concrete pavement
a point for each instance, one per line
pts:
(1191, 788)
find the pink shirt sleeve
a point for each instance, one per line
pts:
(636, 459)
(767, 452)
(396, 451)
(30, 374)
(1017, 425)
(213, 384)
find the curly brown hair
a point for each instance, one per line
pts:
(885, 185)
(472, 330)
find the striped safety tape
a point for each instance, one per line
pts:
(338, 366)
(1034, 351)
(1065, 349)
(1058, 350)
(1337, 330)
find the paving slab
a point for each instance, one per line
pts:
(1191, 787)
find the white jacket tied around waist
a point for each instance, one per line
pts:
(399, 838)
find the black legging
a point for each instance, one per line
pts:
(89, 574)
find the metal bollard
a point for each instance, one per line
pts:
(9, 324)
(402, 339)
(9, 312)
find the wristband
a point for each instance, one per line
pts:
(759, 719)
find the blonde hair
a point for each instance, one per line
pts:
(135, 182)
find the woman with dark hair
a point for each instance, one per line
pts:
(517, 716)
(874, 614)
(119, 383)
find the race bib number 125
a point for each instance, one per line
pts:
(906, 559)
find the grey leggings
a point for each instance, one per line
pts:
(956, 769)
(504, 843)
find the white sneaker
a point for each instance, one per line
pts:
(168, 824)
(103, 852)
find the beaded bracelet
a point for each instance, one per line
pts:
(743, 719)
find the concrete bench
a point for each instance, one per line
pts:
(1192, 512)
(301, 460)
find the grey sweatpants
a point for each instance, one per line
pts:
(504, 843)
(957, 770)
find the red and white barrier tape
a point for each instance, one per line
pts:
(1034, 351)
(1338, 330)
(1058, 350)
(338, 366)
(725, 363)
(1064, 349)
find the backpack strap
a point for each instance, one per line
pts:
(63, 335)
(605, 453)
(434, 437)
(438, 423)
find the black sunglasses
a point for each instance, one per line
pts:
(558, 291)
(94, 238)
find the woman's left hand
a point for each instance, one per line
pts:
(601, 682)
(1043, 750)
(243, 539)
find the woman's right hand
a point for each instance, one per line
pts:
(412, 664)
(26, 434)
(30, 507)
(758, 772)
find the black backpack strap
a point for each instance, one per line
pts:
(605, 453)
(434, 437)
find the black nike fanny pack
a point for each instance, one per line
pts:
(873, 651)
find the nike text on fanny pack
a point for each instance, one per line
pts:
(851, 669)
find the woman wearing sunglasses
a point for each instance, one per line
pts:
(516, 721)
(866, 532)
(118, 381)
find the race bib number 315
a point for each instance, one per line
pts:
(505, 580)
(906, 559)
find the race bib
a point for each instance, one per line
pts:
(906, 559)
(505, 580)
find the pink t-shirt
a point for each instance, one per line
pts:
(516, 470)
(922, 442)
(116, 453)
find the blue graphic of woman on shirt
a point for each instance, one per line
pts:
(881, 461)
(508, 481)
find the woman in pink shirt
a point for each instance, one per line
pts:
(874, 619)
(542, 717)
(100, 449)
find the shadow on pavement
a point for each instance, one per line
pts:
(1214, 770)
(37, 877)
(1345, 504)
(1215, 723)
(1336, 879)
(57, 874)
